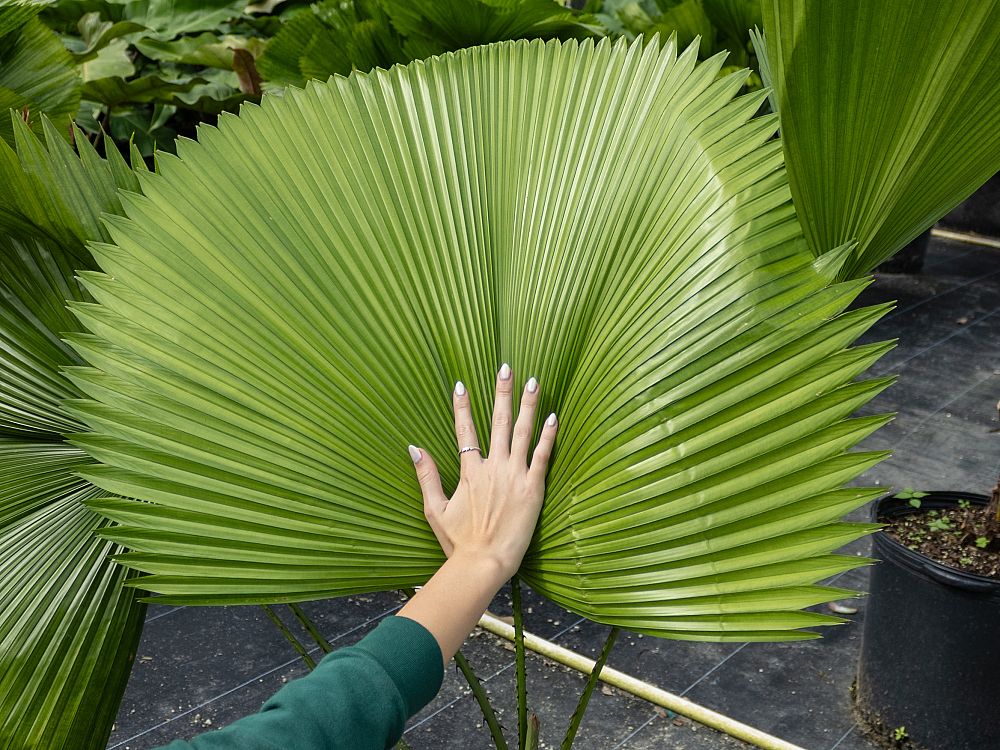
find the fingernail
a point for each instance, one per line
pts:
(551, 421)
(504, 371)
(415, 453)
(459, 388)
(532, 385)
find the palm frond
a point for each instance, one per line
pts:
(34, 287)
(890, 115)
(51, 191)
(51, 202)
(69, 628)
(289, 302)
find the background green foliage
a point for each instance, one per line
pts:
(37, 73)
(338, 36)
(720, 24)
(153, 70)
(148, 71)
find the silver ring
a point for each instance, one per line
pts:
(468, 448)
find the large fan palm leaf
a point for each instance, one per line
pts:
(291, 299)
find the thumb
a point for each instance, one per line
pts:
(430, 483)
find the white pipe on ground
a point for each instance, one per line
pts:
(637, 687)
(967, 237)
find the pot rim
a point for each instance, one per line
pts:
(927, 567)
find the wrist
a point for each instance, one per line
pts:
(489, 570)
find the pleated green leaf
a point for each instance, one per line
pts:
(51, 202)
(890, 114)
(69, 627)
(36, 71)
(34, 285)
(52, 191)
(14, 15)
(290, 301)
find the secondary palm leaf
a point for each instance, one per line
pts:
(290, 301)
(890, 114)
(68, 628)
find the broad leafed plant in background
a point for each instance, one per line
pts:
(338, 36)
(717, 25)
(36, 71)
(151, 69)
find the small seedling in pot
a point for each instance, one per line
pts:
(964, 504)
(982, 542)
(940, 524)
(899, 734)
(908, 493)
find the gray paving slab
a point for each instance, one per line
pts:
(853, 739)
(678, 733)
(553, 691)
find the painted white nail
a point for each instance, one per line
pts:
(415, 453)
(459, 388)
(504, 371)
(532, 385)
(551, 421)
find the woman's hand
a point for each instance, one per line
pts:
(486, 526)
(496, 504)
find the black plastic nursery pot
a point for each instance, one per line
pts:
(910, 259)
(930, 654)
(979, 213)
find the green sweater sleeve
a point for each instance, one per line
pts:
(358, 697)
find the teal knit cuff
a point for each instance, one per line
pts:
(411, 657)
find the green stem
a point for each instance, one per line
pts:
(531, 740)
(477, 690)
(484, 702)
(581, 707)
(311, 628)
(290, 637)
(522, 692)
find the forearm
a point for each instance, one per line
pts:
(357, 698)
(454, 599)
